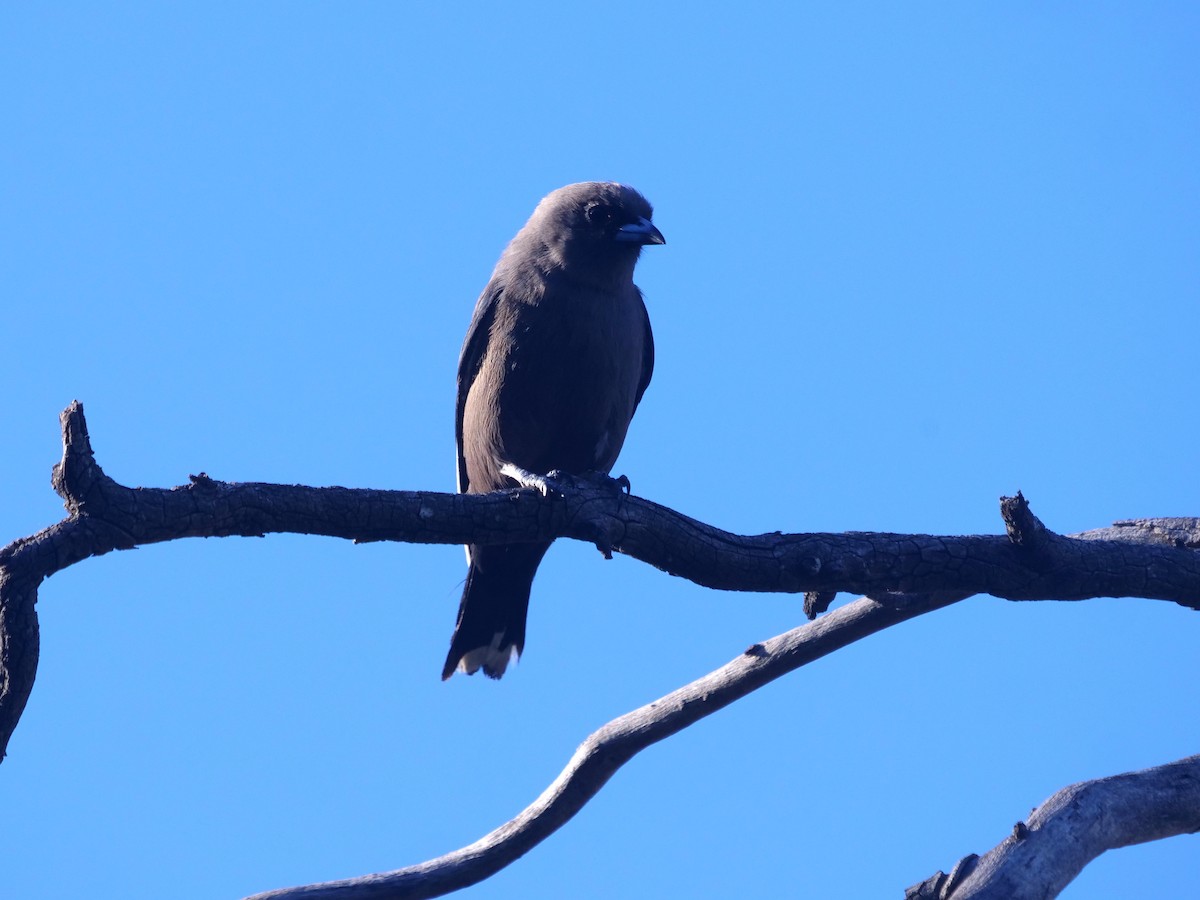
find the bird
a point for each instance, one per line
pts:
(556, 359)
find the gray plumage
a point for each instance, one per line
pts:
(556, 358)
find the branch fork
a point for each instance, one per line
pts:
(902, 576)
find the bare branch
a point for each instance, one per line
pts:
(1077, 824)
(20, 642)
(1174, 532)
(616, 743)
(1031, 564)
(106, 516)
(907, 574)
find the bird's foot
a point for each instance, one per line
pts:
(604, 481)
(548, 485)
(556, 482)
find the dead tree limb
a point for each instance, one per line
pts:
(1032, 563)
(1078, 823)
(606, 750)
(907, 574)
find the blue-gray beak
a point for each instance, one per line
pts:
(640, 232)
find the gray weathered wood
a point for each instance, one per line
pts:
(1078, 823)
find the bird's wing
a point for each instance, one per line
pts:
(647, 355)
(469, 361)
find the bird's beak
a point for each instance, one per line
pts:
(640, 232)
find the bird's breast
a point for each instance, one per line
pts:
(557, 387)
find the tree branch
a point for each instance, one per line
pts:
(1032, 563)
(908, 574)
(1077, 824)
(606, 750)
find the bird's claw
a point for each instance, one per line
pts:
(602, 481)
(556, 482)
(590, 480)
(548, 485)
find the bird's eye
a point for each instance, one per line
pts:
(598, 214)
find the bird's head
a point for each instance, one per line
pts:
(594, 223)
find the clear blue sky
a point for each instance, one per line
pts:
(919, 256)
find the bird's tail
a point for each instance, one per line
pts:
(491, 618)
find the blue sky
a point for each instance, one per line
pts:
(919, 256)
